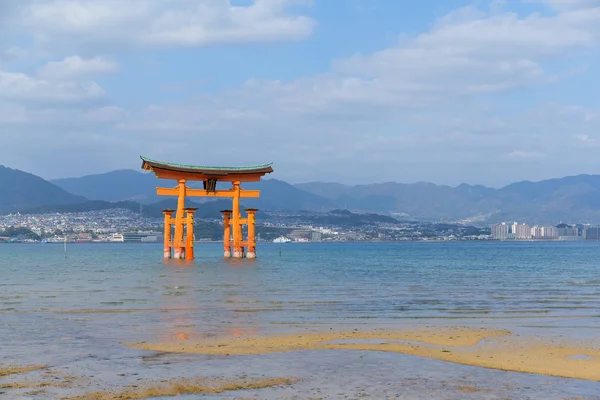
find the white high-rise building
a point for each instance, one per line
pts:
(544, 232)
(550, 232)
(567, 230)
(521, 231)
(500, 231)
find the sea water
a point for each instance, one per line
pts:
(72, 311)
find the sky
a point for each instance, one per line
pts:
(349, 91)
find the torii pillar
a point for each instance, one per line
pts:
(189, 234)
(178, 240)
(226, 233)
(168, 213)
(251, 241)
(236, 223)
(230, 225)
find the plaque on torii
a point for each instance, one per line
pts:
(180, 243)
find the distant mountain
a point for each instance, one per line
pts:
(129, 185)
(419, 200)
(574, 198)
(121, 185)
(569, 199)
(278, 195)
(21, 190)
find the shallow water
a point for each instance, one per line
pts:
(72, 312)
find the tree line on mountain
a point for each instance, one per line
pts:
(19, 232)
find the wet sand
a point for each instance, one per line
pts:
(489, 348)
(141, 390)
(6, 370)
(118, 372)
(178, 387)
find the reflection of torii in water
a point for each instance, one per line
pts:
(184, 321)
(241, 320)
(179, 302)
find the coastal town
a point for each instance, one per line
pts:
(119, 225)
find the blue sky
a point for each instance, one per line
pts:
(351, 91)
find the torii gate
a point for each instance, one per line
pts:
(182, 242)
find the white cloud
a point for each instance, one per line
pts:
(466, 53)
(470, 52)
(422, 109)
(11, 113)
(567, 4)
(104, 115)
(22, 87)
(13, 53)
(75, 67)
(162, 22)
(526, 154)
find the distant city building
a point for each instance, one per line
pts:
(117, 237)
(592, 233)
(144, 237)
(317, 236)
(300, 234)
(569, 233)
(550, 232)
(500, 231)
(84, 237)
(544, 232)
(521, 231)
(567, 230)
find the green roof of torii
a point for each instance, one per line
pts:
(263, 168)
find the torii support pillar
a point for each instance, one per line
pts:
(178, 241)
(189, 234)
(251, 242)
(168, 213)
(226, 233)
(236, 223)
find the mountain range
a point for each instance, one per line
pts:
(570, 199)
(128, 185)
(21, 190)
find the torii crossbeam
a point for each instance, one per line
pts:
(182, 241)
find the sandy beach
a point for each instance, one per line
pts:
(489, 348)
(493, 349)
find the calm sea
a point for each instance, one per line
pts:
(71, 311)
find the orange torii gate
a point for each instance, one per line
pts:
(182, 241)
